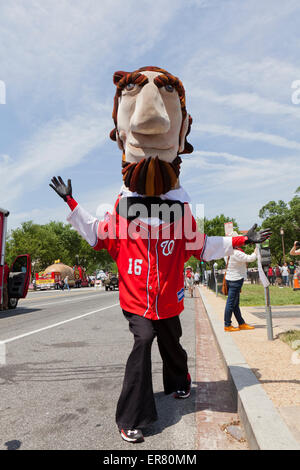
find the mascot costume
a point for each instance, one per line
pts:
(150, 234)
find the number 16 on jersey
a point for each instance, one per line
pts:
(137, 266)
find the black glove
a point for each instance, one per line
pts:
(257, 237)
(297, 244)
(60, 188)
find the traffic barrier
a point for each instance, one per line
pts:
(296, 282)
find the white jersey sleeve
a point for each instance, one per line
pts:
(85, 224)
(217, 247)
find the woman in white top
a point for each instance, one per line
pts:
(235, 274)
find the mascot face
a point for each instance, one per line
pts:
(151, 124)
(149, 121)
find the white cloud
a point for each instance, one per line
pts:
(238, 186)
(228, 131)
(235, 173)
(249, 102)
(58, 145)
(267, 76)
(55, 48)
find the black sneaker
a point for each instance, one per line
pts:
(186, 392)
(133, 435)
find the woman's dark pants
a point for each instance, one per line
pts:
(233, 300)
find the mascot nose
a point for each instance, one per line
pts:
(150, 115)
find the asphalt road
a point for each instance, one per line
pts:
(64, 365)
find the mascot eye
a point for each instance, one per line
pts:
(169, 88)
(130, 86)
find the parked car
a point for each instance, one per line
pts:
(111, 282)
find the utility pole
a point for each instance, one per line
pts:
(215, 266)
(265, 262)
(269, 314)
(282, 238)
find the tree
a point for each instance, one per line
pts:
(55, 240)
(215, 228)
(212, 227)
(277, 215)
(295, 213)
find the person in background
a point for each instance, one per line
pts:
(4, 305)
(189, 279)
(278, 275)
(197, 278)
(274, 276)
(66, 283)
(295, 251)
(292, 269)
(271, 275)
(235, 274)
(285, 274)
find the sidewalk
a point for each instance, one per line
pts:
(263, 372)
(217, 421)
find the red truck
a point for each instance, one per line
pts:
(20, 270)
(47, 280)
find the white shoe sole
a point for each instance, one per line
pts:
(182, 396)
(128, 439)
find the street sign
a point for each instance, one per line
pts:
(228, 227)
(265, 283)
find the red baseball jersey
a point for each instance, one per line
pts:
(150, 258)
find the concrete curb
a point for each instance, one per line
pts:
(264, 428)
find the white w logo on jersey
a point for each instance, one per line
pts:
(167, 247)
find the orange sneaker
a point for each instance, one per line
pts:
(231, 328)
(245, 326)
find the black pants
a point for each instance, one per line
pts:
(136, 406)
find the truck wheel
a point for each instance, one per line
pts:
(12, 302)
(106, 288)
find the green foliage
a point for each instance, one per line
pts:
(194, 263)
(215, 227)
(55, 240)
(290, 337)
(254, 295)
(277, 215)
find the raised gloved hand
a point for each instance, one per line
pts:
(60, 188)
(257, 237)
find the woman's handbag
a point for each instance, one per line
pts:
(224, 285)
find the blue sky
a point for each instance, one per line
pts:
(237, 60)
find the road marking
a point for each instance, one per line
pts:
(37, 295)
(9, 340)
(60, 302)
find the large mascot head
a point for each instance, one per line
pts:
(151, 125)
